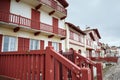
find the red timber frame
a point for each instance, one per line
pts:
(33, 23)
(1, 42)
(43, 64)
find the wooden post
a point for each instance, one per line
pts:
(92, 75)
(85, 74)
(99, 71)
(48, 68)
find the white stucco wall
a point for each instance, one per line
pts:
(45, 18)
(61, 24)
(20, 8)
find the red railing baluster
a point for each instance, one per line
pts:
(29, 68)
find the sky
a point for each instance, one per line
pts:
(101, 14)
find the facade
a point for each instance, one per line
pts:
(75, 38)
(92, 40)
(32, 25)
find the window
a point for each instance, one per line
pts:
(76, 37)
(9, 43)
(55, 46)
(34, 44)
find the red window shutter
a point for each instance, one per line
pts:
(35, 19)
(60, 46)
(26, 46)
(1, 42)
(4, 10)
(5, 5)
(41, 44)
(20, 44)
(23, 44)
(55, 25)
(49, 43)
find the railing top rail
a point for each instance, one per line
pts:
(29, 52)
(86, 59)
(70, 65)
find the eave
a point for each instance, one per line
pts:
(75, 28)
(63, 3)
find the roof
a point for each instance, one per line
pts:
(63, 2)
(75, 28)
(96, 30)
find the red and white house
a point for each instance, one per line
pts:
(75, 38)
(32, 24)
(92, 40)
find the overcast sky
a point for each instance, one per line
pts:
(101, 14)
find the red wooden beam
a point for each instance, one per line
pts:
(63, 17)
(99, 71)
(38, 6)
(63, 38)
(16, 29)
(17, 0)
(50, 36)
(52, 12)
(36, 33)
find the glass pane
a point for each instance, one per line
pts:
(6, 43)
(12, 44)
(31, 44)
(34, 44)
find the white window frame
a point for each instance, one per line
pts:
(9, 43)
(55, 46)
(33, 48)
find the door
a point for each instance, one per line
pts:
(4, 10)
(55, 25)
(35, 17)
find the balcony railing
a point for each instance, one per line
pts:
(54, 5)
(28, 23)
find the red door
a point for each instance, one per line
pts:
(55, 25)
(1, 42)
(4, 10)
(35, 24)
(23, 44)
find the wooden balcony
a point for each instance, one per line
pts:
(49, 6)
(105, 59)
(54, 5)
(23, 22)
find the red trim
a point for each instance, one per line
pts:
(60, 46)
(52, 12)
(23, 44)
(63, 2)
(42, 44)
(35, 19)
(16, 29)
(92, 36)
(38, 6)
(55, 25)
(50, 36)
(97, 32)
(17, 0)
(1, 42)
(6, 4)
(36, 33)
(49, 43)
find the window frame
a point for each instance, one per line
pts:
(9, 47)
(34, 41)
